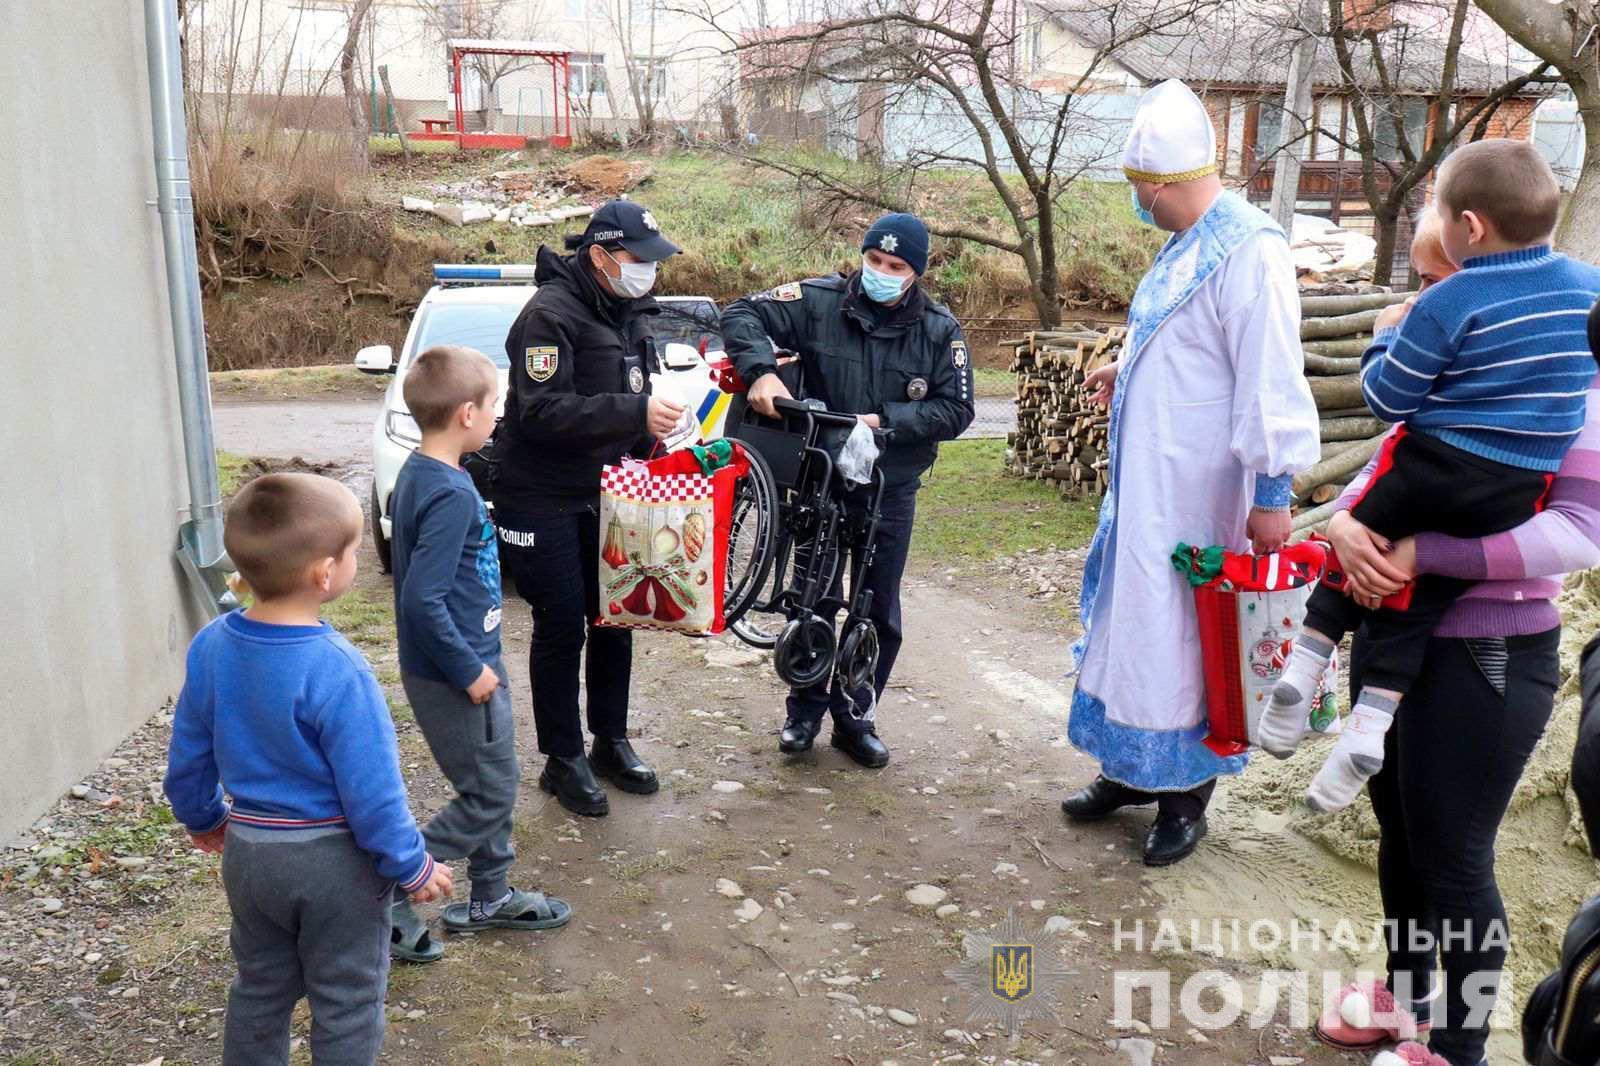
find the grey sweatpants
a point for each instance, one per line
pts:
(310, 918)
(475, 746)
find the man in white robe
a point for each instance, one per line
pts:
(1211, 417)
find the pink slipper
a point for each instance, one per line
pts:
(1409, 1054)
(1365, 1016)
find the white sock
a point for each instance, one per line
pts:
(1356, 755)
(1283, 722)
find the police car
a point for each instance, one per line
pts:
(475, 306)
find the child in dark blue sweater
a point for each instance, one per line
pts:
(447, 618)
(283, 714)
(1489, 373)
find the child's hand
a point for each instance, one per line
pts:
(480, 690)
(439, 886)
(212, 841)
(1393, 315)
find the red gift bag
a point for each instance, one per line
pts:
(664, 556)
(1250, 609)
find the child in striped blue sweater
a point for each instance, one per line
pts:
(1487, 374)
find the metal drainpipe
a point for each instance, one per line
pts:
(200, 546)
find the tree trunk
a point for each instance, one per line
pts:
(1384, 224)
(353, 97)
(1579, 232)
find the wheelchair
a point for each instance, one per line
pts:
(788, 601)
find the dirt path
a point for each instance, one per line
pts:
(319, 431)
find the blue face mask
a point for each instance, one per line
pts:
(1141, 212)
(880, 287)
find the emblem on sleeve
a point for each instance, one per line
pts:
(787, 293)
(635, 379)
(958, 354)
(541, 362)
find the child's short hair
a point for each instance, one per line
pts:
(279, 524)
(1507, 182)
(443, 378)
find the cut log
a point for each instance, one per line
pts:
(1336, 465)
(1324, 306)
(1322, 364)
(1338, 326)
(1352, 429)
(1336, 392)
(1315, 516)
(1340, 349)
(1323, 493)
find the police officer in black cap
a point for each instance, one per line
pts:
(870, 344)
(579, 398)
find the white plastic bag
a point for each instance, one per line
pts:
(859, 454)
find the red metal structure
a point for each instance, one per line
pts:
(559, 59)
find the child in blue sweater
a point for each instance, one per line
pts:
(1488, 373)
(283, 714)
(447, 620)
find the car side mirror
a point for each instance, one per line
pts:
(375, 359)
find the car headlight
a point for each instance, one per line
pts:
(402, 429)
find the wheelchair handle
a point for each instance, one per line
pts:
(816, 410)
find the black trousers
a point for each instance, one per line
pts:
(554, 561)
(1464, 734)
(1422, 484)
(858, 710)
(1191, 804)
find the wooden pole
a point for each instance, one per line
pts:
(394, 115)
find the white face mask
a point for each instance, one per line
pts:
(636, 279)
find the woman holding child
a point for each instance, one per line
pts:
(1461, 738)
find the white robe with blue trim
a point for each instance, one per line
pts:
(1210, 393)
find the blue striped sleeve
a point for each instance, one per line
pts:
(1399, 369)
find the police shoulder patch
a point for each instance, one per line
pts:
(958, 354)
(787, 293)
(541, 362)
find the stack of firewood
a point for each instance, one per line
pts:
(1061, 434)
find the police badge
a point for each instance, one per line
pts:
(917, 389)
(635, 379)
(541, 362)
(958, 354)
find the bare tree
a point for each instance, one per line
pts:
(353, 97)
(635, 30)
(955, 60)
(488, 20)
(1567, 37)
(1378, 67)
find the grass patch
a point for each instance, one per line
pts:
(364, 616)
(994, 383)
(386, 146)
(296, 382)
(230, 469)
(968, 512)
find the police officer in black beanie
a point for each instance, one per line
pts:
(870, 344)
(579, 398)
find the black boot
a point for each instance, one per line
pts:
(798, 735)
(1172, 837)
(1099, 798)
(572, 782)
(862, 745)
(615, 760)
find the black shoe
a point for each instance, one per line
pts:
(572, 782)
(615, 760)
(798, 735)
(1099, 798)
(863, 746)
(1172, 837)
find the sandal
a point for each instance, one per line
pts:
(409, 940)
(1366, 1017)
(524, 910)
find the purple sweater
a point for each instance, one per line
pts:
(1520, 571)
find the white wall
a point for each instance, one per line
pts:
(96, 619)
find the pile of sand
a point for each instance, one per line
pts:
(606, 174)
(1269, 857)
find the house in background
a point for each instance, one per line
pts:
(1237, 59)
(100, 615)
(630, 58)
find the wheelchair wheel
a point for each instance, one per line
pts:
(858, 656)
(752, 538)
(759, 628)
(804, 653)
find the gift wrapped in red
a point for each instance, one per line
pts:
(665, 523)
(1250, 609)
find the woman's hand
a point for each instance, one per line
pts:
(1100, 384)
(1373, 569)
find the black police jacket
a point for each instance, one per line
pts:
(579, 389)
(907, 363)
